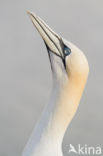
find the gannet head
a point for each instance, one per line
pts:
(67, 61)
(77, 67)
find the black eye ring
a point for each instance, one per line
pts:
(67, 51)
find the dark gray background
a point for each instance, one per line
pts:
(25, 77)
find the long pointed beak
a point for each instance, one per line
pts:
(52, 40)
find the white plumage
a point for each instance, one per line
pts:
(70, 71)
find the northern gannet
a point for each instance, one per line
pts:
(70, 71)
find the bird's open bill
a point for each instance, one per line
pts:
(52, 40)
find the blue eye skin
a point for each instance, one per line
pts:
(67, 51)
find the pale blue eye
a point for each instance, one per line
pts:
(67, 51)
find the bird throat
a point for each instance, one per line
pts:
(49, 132)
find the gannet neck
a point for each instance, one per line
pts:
(49, 133)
